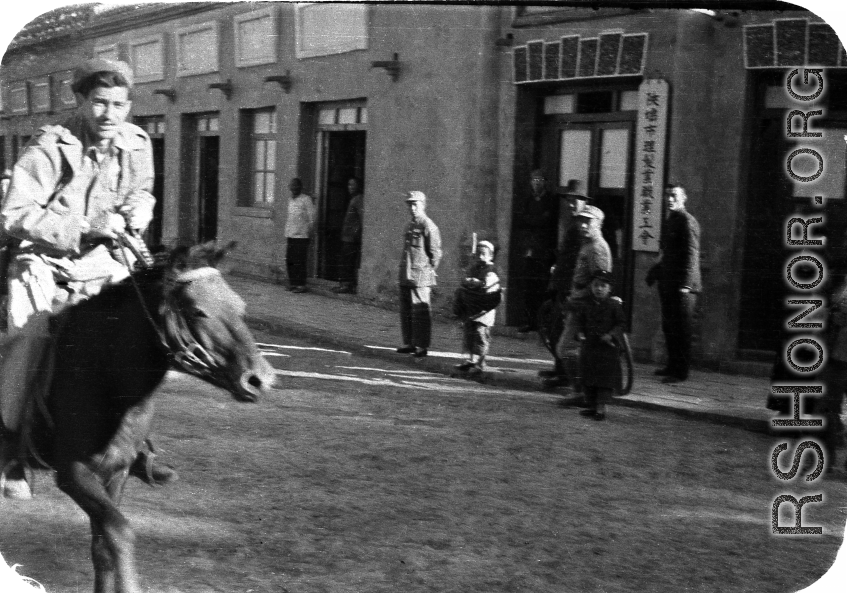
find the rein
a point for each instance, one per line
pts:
(175, 339)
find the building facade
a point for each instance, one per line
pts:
(462, 102)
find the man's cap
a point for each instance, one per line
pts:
(538, 173)
(415, 196)
(6, 174)
(602, 275)
(574, 189)
(591, 212)
(488, 244)
(95, 65)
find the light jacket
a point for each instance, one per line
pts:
(421, 253)
(47, 202)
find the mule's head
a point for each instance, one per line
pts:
(206, 328)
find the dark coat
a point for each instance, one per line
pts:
(680, 264)
(566, 261)
(599, 360)
(538, 221)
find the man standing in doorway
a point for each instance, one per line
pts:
(298, 230)
(351, 239)
(421, 256)
(678, 273)
(539, 222)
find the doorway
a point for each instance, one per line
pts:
(207, 191)
(344, 157)
(155, 128)
(340, 142)
(598, 153)
(204, 143)
(772, 198)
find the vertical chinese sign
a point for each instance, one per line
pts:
(648, 186)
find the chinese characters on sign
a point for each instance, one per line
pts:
(648, 185)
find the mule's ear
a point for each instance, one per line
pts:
(178, 259)
(222, 252)
(202, 255)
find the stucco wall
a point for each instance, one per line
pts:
(435, 129)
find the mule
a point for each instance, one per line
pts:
(111, 352)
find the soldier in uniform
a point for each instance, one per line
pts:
(76, 186)
(421, 255)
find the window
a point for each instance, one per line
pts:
(40, 94)
(197, 49)
(325, 29)
(19, 98)
(343, 117)
(110, 52)
(154, 125)
(256, 38)
(66, 95)
(260, 140)
(147, 58)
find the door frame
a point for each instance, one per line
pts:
(322, 129)
(190, 225)
(595, 123)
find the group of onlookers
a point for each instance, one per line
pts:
(583, 323)
(81, 184)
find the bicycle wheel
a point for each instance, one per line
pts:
(546, 320)
(625, 368)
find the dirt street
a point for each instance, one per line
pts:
(359, 476)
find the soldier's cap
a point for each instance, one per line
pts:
(591, 212)
(602, 275)
(575, 189)
(6, 174)
(488, 244)
(537, 173)
(95, 65)
(416, 196)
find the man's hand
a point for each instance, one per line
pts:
(138, 217)
(106, 225)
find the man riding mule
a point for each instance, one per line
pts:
(75, 188)
(110, 353)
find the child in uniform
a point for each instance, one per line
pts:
(599, 326)
(476, 305)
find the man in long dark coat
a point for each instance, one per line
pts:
(678, 273)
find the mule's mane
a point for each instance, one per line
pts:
(196, 274)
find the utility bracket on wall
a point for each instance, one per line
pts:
(390, 66)
(169, 93)
(284, 80)
(225, 87)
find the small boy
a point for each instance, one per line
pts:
(599, 326)
(476, 305)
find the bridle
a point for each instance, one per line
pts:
(176, 338)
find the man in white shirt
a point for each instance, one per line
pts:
(298, 231)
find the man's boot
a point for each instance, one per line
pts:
(152, 472)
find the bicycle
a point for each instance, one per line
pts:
(550, 326)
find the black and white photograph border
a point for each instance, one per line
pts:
(695, 152)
